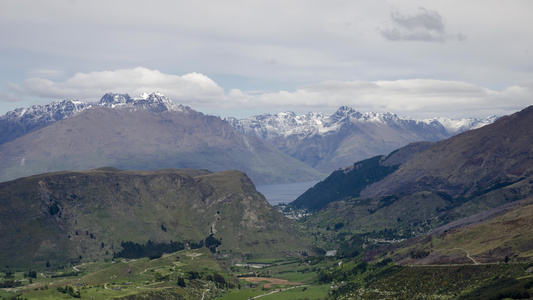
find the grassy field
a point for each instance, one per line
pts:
(122, 277)
(202, 276)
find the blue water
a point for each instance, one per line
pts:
(284, 193)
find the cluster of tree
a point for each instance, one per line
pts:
(181, 282)
(218, 279)
(349, 273)
(352, 247)
(150, 249)
(30, 274)
(419, 254)
(53, 209)
(196, 245)
(336, 227)
(341, 274)
(9, 284)
(154, 250)
(8, 274)
(212, 243)
(387, 234)
(68, 289)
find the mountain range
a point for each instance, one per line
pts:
(146, 133)
(466, 199)
(426, 185)
(151, 132)
(329, 142)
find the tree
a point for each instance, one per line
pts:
(8, 274)
(181, 282)
(219, 279)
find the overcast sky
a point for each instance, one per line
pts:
(240, 58)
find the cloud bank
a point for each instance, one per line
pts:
(84, 86)
(411, 97)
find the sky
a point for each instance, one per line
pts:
(417, 59)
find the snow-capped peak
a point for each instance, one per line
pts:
(459, 125)
(156, 101)
(286, 124)
(23, 120)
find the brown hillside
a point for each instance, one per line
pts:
(137, 139)
(470, 162)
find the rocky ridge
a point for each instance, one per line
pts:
(268, 126)
(21, 121)
(330, 142)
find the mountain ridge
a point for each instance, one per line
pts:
(24, 120)
(129, 136)
(329, 142)
(323, 142)
(269, 126)
(490, 155)
(467, 174)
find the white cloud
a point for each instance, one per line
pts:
(192, 86)
(419, 98)
(415, 97)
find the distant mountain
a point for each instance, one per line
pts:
(414, 189)
(22, 121)
(329, 142)
(323, 142)
(84, 216)
(145, 133)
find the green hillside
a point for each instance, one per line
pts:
(72, 217)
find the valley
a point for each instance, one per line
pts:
(139, 198)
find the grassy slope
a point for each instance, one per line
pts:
(507, 235)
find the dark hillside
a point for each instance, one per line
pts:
(85, 216)
(350, 181)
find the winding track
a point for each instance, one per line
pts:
(468, 255)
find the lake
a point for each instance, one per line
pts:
(285, 192)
